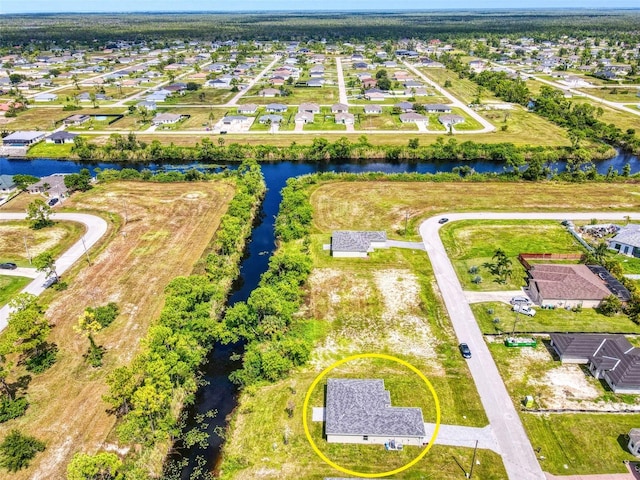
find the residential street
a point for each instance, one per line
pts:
(517, 452)
(96, 227)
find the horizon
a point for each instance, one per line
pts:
(36, 7)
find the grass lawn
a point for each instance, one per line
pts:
(38, 118)
(9, 286)
(383, 205)
(325, 122)
(50, 150)
(169, 227)
(56, 239)
(209, 96)
(462, 88)
(620, 119)
(558, 320)
(471, 243)
(620, 95)
(586, 444)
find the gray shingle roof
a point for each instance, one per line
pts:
(355, 241)
(629, 235)
(363, 407)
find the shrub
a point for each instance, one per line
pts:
(44, 360)
(17, 450)
(10, 409)
(105, 315)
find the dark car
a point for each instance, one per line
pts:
(53, 201)
(8, 266)
(443, 220)
(464, 350)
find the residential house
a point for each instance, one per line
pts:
(52, 185)
(634, 442)
(450, 120)
(566, 285)
(627, 241)
(7, 185)
(218, 83)
(339, 108)
(61, 137)
(22, 138)
(609, 357)
(350, 243)
(304, 117)
(166, 119)
(86, 97)
(313, 108)
(413, 117)
(45, 97)
(315, 82)
(273, 119)
(276, 108)
(437, 108)
(249, 108)
(77, 119)
(150, 106)
(269, 92)
(235, 120)
(404, 106)
(360, 411)
(374, 95)
(369, 82)
(345, 118)
(372, 109)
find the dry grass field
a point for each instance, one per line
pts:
(167, 228)
(384, 205)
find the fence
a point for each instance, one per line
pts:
(523, 257)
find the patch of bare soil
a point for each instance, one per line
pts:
(369, 314)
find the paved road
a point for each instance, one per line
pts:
(96, 227)
(255, 80)
(341, 87)
(574, 91)
(486, 125)
(517, 453)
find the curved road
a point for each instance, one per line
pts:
(517, 453)
(96, 228)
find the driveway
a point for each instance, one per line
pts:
(517, 453)
(96, 227)
(504, 296)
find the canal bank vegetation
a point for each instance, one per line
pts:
(156, 232)
(333, 308)
(129, 148)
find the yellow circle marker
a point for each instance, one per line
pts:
(305, 422)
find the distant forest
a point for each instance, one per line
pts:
(622, 25)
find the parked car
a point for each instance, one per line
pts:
(524, 309)
(465, 350)
(53, 201)
(443, 220)
(8, 266)
(520, 300)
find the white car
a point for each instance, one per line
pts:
(524, 309)
(520, 300)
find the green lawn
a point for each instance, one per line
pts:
(586, 444)
(9, 286)
(471, 243)
(557, 320)
(50, 150)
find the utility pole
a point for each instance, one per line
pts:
(26, 248)
(85, 251)
(473, 461)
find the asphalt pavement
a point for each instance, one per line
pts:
(96, 227)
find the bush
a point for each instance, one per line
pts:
(106, 314)
(44, 360)
(10, 409)
(17, 450)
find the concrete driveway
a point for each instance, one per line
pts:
(517, 453)
(96, 227)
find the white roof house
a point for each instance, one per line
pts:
(627, 241)
(351, 243)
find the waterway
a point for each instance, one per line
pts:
(219, 393)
